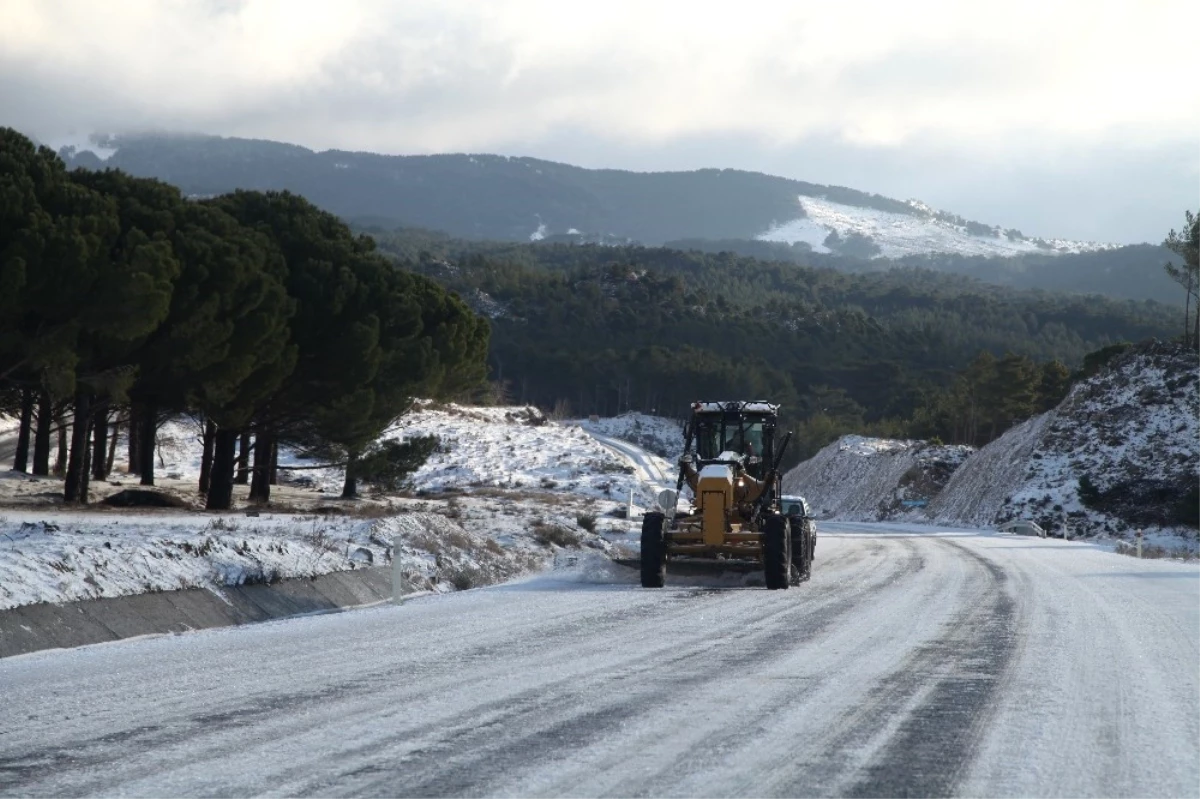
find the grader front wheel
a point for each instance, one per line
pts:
(654, 551)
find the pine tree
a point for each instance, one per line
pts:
(1186, 244)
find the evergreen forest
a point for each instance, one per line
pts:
(122, 304)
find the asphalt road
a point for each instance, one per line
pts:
(912, 664)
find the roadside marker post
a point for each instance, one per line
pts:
(397, 574)
(1139, 543)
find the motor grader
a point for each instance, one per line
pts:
(731, 463)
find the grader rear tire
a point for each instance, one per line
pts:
(777, 556)
(801, 551)
(654, 551)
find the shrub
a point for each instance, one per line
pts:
(587, 521)
(554, 534)
(1089, 494)
(1187, 511)
(389, 464)
(465, 577)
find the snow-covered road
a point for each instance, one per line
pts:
(648, 468)
(913, 663)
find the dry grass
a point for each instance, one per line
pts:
(547, 534)
(426, 541)
(460, 541)
(522, 495)
(1156, 552)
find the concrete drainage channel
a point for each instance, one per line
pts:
(31, 628)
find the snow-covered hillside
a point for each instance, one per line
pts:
(900, 234)
(1128, 439)
(518, 447)
(872, 479)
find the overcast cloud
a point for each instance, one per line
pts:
(1073, 119)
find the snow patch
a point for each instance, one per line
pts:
(899, 234)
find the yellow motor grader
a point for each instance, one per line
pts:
(731, 464)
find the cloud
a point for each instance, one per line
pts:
(996, 82)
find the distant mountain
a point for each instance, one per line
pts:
(513, 199)
(490, 197)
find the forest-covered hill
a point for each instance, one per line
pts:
(603, 329)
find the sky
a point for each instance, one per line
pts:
(1063, 119)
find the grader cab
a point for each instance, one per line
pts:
(731, 464)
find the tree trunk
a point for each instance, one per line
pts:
(274, 478)
(135, 452)
(206, 457)
(350, 486)
(100, 440)
(243, 459)
(1187, 316)
(112, 448)
(60, 462)
(220, 489)
(147, 438)
(21, 460)
(1196, 329)
(79, 444)
(260, 479)
(41, 436)
(84, 482)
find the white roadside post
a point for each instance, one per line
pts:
(397, 574)
(1139, 543)
(629, 510)
(1066, 531)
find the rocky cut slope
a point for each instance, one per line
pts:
(873, 479)
(1120, 453)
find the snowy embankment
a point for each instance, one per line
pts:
(505, 490)
(872, 479)
(1131, 433)
(900, 234)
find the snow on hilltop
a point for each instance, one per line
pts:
(1129, 433)
(870, 479)
(920, 232)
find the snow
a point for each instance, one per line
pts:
(917, 661)
(899, 234)
(58, 556)
(1135, 422)
(516, 447)
(869, 479)
(506, 489)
